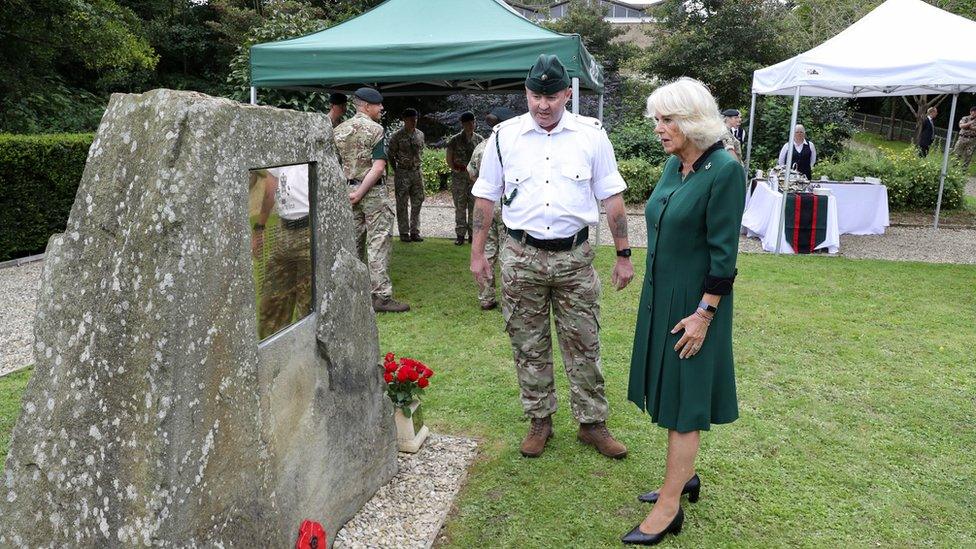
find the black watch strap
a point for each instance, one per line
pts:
(623, 253)
(706, 307)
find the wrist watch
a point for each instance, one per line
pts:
(706, 307)
(258, 227)
(623, 253)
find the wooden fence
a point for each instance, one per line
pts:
(901, 130)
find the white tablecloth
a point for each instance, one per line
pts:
(761, 220)
(861, 208)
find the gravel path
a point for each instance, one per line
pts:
(409, 511)
(18, 289)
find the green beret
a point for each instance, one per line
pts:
(547, 76)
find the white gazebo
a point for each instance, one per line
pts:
(902, 47)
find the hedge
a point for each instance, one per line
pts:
(912, 182)
(641, 176)
(41, 176)
(433, 166)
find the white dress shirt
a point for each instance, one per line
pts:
(551, 180)
(796, 151)
(292, 194)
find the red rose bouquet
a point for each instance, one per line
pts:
(406, 379)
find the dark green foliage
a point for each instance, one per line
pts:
(636, 139)
(41, 176)
(827, 122)
(720, 42)
(641, 177)
(913, 182)
(586, 19)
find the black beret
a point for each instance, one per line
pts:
(409, 112)
(731, 112)
(337, 99)
(547, 76)
(502, 113)
(467, 116)
(369, 95)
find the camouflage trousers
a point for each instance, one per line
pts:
(372, 218)
(287, 285)
(533, 281)
(409, 187)
(461, 186)
(493, 247)
(964, 150)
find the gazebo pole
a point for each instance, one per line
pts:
(752, 118)
(254, 95)
(599, 109)
(789, 162)
(575, 95)
(945, 159)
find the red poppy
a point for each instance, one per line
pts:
(388, 377)
(423, 382)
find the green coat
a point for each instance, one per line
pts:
(692, 232)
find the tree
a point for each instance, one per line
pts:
(720, 42)
(50, 48)
(587, 20)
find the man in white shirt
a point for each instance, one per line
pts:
(286, 290)
(549, 168)
(804, 153)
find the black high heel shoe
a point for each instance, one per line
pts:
(692, 488)
(636, 537)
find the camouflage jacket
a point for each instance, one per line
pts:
(971, 132)
(359, 141)
(462, 148)
(405, 149)
(732, 144)
(474, 165)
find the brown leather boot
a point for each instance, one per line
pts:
(389, 305)
(597, 434)
(535, 441)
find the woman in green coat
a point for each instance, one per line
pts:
(681, 372)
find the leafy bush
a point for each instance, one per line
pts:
(913, 182)
(636, 139)
(641, 177)
(41, 176)
(434, 168)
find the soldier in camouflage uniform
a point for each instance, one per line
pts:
(731, 141)
(362, 151)
(496, 233)
(459, 150)
(549, 168)
(286, 289)
(404, 150)
(967, 138)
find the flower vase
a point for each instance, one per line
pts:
(411, 431)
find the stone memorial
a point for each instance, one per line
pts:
(154, 416)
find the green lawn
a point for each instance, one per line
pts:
(857, 383)
(878, 142)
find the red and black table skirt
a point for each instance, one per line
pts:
(806, 221)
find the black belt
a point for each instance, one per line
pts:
(554, 245)
(293, 224)
(358, 181)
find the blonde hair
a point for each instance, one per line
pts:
(693, 109)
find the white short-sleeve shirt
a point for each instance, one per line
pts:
(550, 181)
(291, 198)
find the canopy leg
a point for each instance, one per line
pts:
(599, 109)
(575, 95)
(254, 95)
(945, 159)
(789, 162)
(752, 118)
(599, 115)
